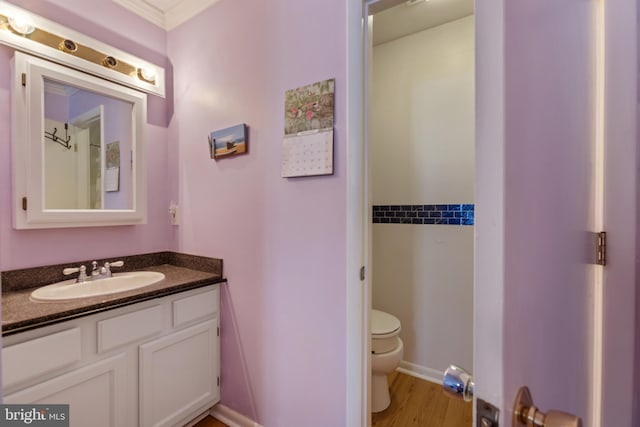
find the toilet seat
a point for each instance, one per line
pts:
(383, 324)
(385, 329)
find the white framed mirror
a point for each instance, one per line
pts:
(78, 148)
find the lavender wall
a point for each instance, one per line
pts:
(26, 248)
(283, 240)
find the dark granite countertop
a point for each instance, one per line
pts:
(19, 313)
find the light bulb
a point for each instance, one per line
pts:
(21, 24)
(147, 74)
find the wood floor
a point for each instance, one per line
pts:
(210, 422)
(414, 403)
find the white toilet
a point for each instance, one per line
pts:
(387, 351)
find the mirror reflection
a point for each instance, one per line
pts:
(87, 149)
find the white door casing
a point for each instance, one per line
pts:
(619, 302)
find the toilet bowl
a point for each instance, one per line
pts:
(387, 350)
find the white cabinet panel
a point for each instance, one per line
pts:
(195, 307)
(29, 359)
(178, 375)
(128, 328)
(96, 394)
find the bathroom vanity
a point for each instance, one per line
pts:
(148, 357)
(118, 356)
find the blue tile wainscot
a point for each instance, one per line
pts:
(461, 214)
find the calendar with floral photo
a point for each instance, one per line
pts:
(307, 148)
(309, 107)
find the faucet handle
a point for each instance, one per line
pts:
(70, 270)
(108, 265)
(82, 272)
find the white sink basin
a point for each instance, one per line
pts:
(120, 282)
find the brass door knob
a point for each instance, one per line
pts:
(525, 414)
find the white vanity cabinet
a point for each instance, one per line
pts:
(154, 363)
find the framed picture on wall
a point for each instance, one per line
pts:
(228, 142)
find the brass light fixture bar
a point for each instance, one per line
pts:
(78, 50)
(27, 32)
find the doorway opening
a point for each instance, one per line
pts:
(420, 149)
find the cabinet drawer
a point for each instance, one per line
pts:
(195, 307)
(27, 360)
(128, 328)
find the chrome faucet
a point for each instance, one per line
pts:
(104, 271)
(82, 273)
(97, 273)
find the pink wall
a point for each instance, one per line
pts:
(27, 248)
(282, 240)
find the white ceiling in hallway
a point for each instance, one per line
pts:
(166, 14)
(407, 18)
(390, 24)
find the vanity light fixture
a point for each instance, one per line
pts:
(33, 34)
(68, 46)
(147, 74)
(21, 24)
(110, 62)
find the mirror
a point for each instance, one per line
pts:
(87, 141)
(78, 148)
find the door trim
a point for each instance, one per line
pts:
(357, 324)
(620, 211)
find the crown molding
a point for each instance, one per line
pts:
(167, 18)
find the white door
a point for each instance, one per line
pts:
(549, 176)
(60, 172)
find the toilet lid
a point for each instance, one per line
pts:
(383, 323)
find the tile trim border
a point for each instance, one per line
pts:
(440, 214)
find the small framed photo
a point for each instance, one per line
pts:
(228, 142)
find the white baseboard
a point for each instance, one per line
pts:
(230, 417)
(422, 372)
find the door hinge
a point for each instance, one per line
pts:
(218, 332)
(218, 381)
(24, 203)
(362, 273)
(24, 79)
(601, 255)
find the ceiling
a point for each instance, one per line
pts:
(166, 14)
(412, 17)
(390, 24)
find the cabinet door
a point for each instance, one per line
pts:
(96, 394)
(179, 374)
